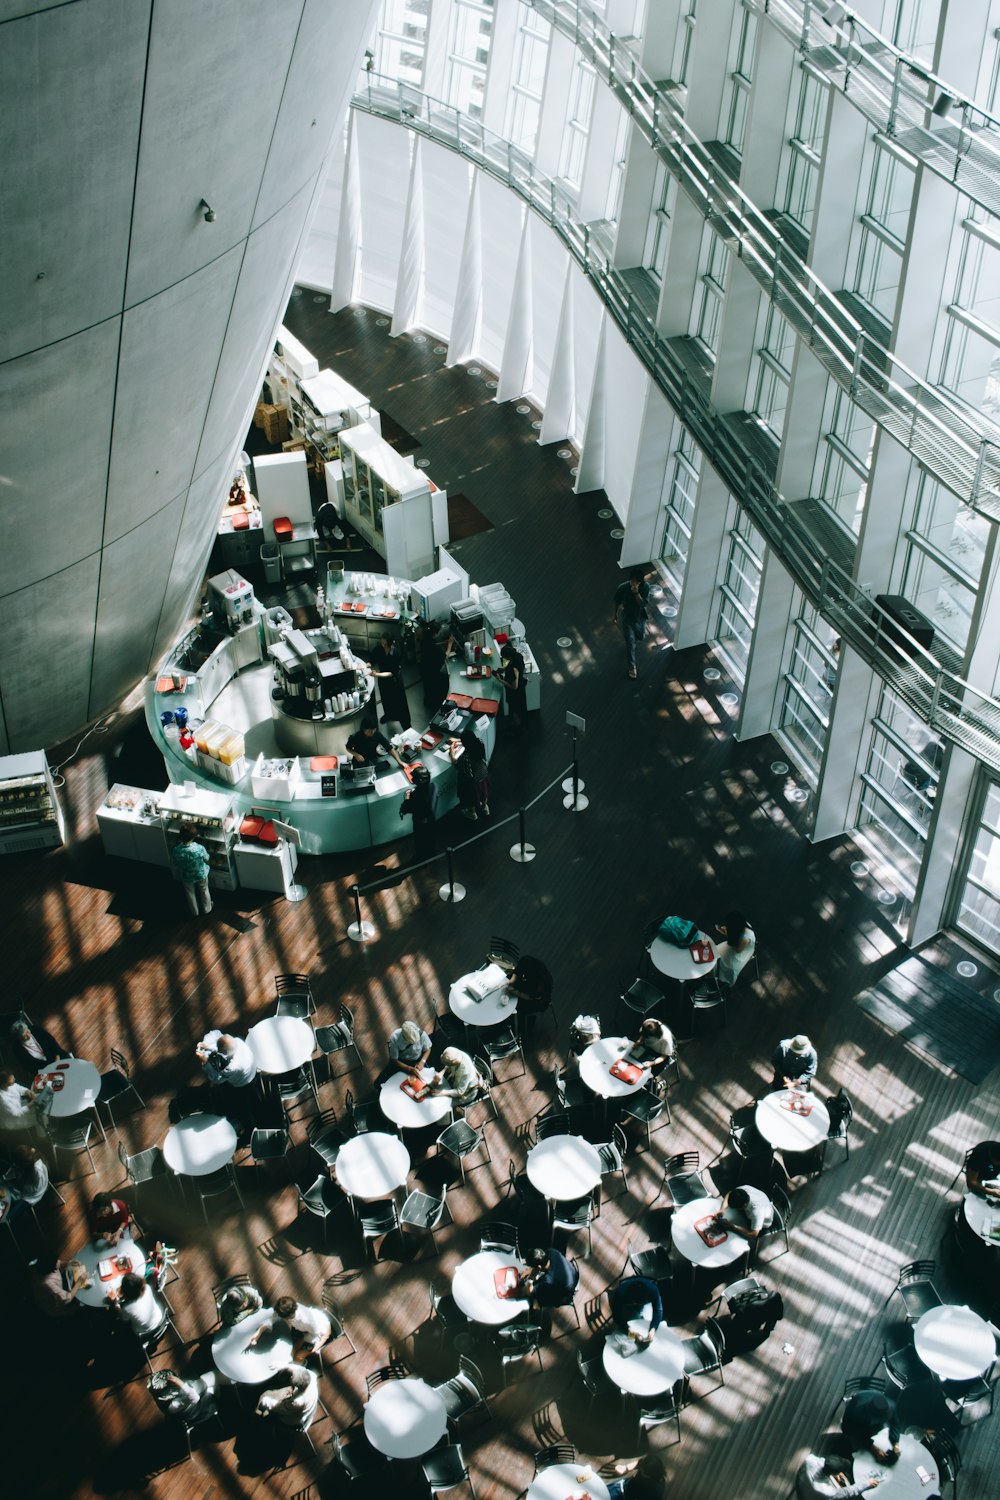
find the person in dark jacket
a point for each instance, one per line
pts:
(420, 804)
(468, 754)
(34, 1046)
(866, 1416)
(433, 666)
(628, 1301)
(511, 675)
(387, 665)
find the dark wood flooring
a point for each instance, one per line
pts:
(682, 818)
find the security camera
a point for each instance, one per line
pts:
(209, 214)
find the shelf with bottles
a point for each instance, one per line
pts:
(30, 815)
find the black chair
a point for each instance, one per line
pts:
(965, 1394)
(294, 1086)
(338, 1038)
(781, 1217)
(682, 1179)
(294, 996)
(654, 1262)
(237, 1279)
(703, 1355)
(502, 1043)
(744, 1137)
(484, 1095)
(659, 1411)
(555, 1453)
(144, 1166)
(571, 1093)
(520, 1185)
(703, 1001)
(465, 1392)
(947, 1457)
(338, 1327)
(356, 1455)
(460, 1139)
(502, 951)
(641, 998)
(903, 1366)
(612, 1154)
(375, 1221)
(595, 1381)
(446, 1314)
(326, 1137)
(647, 1107)
(320, 1196)
(445, 1468)
(916, 1288)
(552, 1124)
(365, 1116)
(424, 1211)
(841, 1112)
(394, 1370)
(572, 1217)
(517, 1342)
(71, 1135)
(855, 1384)
(216, 1185)
(116, 1083)
(497, 1235)
(268, 1144)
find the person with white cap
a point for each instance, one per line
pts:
(794, 1062)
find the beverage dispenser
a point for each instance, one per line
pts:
(232, 600)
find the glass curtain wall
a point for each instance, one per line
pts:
(740, 82)
(401, 40)
(899, 785)
(683, 42)
(679, 507)
(973, 335)
(530, 61)
(771, 372)
(739, 591)
(577, 132)
(657, 242)
(945, 554)
(468, 54)
(844, 458)
(881, 237)
(710, 293)
(804, 147)
(808, 692)
(978, 912)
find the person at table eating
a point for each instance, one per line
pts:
(310, 1325)
(738, 949)
(982, 1170)
(794, 1062)
(822, 1478)
(745, 1212)
(583, 1032)
(56, 1284)
(17, 1105)
(28, 1174)
(645, 1479)
(629, 1302)
(866, 1416)
(293, 1399)
(237, 1303)
(458, 1078)
(108, 1218)
(138, 1306)
(226, 1059)
(182, 1398)
(34, 1046)
(367, 745)
(531, 982)
(409, 1049)
(656, 1037)
(551, 1280)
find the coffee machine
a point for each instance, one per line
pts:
(231, 600)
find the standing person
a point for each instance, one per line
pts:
(367, 745)
(630, 603)
(387, 666)
(192, 863)
(511, 676)
(468, 753)
(420, 804)
(433, 666)
(738, 949)
(795, 1062)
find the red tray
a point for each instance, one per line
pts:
(712, 1237)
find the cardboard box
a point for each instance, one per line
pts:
(275, 424)
(258, 415)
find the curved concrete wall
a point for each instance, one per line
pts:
(133, 334)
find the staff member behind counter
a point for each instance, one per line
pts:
(367, 745)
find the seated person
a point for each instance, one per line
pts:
(794, 1063)
(531, 982)
(310, 1325)
(34, 1046)
(138, 1306)
(108, 1218)
(409, 1049)
(458, 1078)
(745, 1212)
(583, 1032)
(866, 1416)
(738, 949)
(365, 745)
(237, 1303)
(629, 1302)
(656, 1036)
(552, 1279)
(55, 1285)
(820, 1478)
(293, 1400)
(645, 1479)
(28, 1175)
(17, 1105)
(182, 1398)
(982, 1170)
(226, 1059)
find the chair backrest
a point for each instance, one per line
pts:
(346, 1019)
(502, 950)
(841, 1112)
(586, 1369)
(555, 1124)
(945, 1453)
(239, 1278)
(916, 1270)
(496, 1235)
(391, 1371)
(125, 1159)
(611, 1157)
(619, 1139)
(120, 1061)
(856, 1383)
(782, 1205)
(473, 1374)
(747, 1286)
(556, 1453)
(522, 1339)
(379, 1219)
(292, 984)
(485, 1069)
(680, 1164)
(503, 1043)
(716, 1337)
(578, 1214)
(321, 1121)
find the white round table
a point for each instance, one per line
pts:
(899, 1481)
(563, 1168)
(786, 1130)
(475, 1293)
(405, 1418)
(649, 1371)
(595, 1065)
(689, 1243)
(560, 1480)
(954, 1342)
(199, 1145)
(983, 1217)
(677, 963)
(373, 1165)
(252, 1366)
(281, 1044)
(90, 1257)
(402, 1109)
(495, 1007)
(81, 1086)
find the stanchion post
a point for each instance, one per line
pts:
(451, 891)
(574, 801)
(359, 931)
(522, 852)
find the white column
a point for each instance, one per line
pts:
(954, 804)
(406, 307)
(345, 264)
(736, 340)
(560, 400)
(708, 76)
(855, 700)
(464, 339)
(699, 606)
(776, 608)
(681, 273)
(774, 70)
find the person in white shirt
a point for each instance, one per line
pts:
(17, 1105)
(226, 1059)
(138, 1305)
(657, 1037)
(823, 1478)
(311, 1325)
(746, 1211)
(294, 1400)
(458, 1078)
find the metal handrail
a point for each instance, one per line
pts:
(951, 706)
(948, 439)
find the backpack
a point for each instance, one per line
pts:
(679, 931)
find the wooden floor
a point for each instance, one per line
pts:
(682, 818)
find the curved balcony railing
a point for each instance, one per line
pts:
(951, 706)
(950, 440)
(958, 140)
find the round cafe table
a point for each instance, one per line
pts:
(560, 1480)
(677, 963)
(474, 1289)
(281, 1043)
(954, 1342)
(495, 1006)
(563, 1168)
(252, 1366)
(983, 1217)
(90, 1257)
(409, 1113)
(649, 1371)
(405, 1418)
(899, 1481)
(81, 1086)
(199, 1145)
(372, 1165)
(689, 1243)
(595, 1065)
(785, 1130)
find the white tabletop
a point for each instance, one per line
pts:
(89, 1257)
(954, 1342)
(373, 1165)
(564, 1167)
(405, 1418)
(81, 1086)
(560, 1480)
(982, 1215)
(650, 1370)
(595, 1062)
(495, 1006)
(399, 1107)
(199, 1145)
(252, 1366)
(899, 1481)
(474, 1288)
(281, 1043)
(689, 1243)
(786, 1131)
(677, 963)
